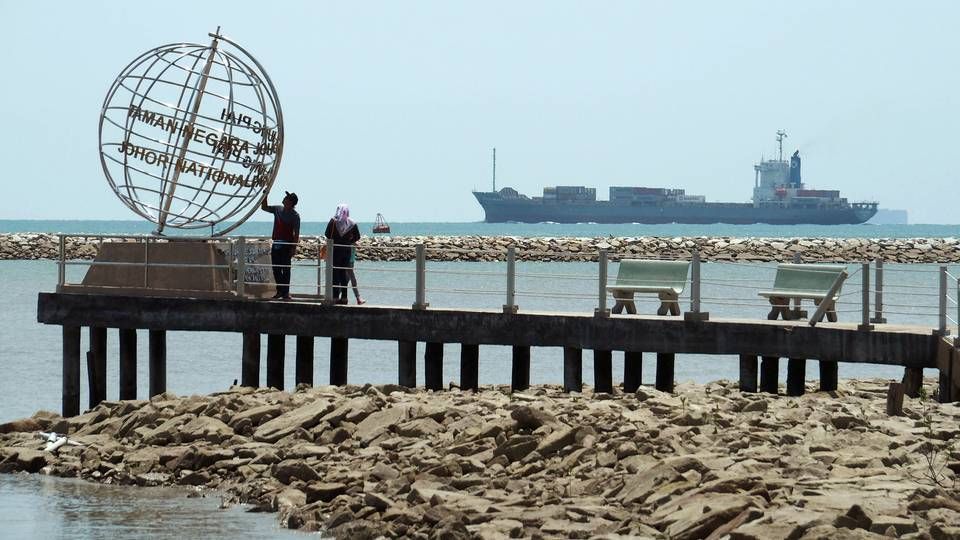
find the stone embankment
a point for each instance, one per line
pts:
(706, 462)
(493, 248)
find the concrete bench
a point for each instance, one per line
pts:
(666, 279)
(800, 281)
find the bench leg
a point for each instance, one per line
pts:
(831, 312)
(778, 306)
(669, 303)
(617, 307)
(631, 306)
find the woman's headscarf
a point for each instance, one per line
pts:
(342, 219)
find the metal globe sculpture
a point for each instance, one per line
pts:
(191, 135)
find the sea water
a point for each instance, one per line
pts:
(200, 363)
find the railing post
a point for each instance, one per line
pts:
(942, 329)
(62, 262)
(319, 269)
(695, 314)
(865, 298)
(602, 310)
(878, 295)
(511, 305)
(146, 262)
(328, 275)
(241, 265)
(421, 301)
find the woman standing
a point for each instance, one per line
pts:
(345, 233)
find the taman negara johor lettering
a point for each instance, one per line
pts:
(257, 177)
(220, 143)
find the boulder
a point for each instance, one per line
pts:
(207, 429)
(304, 417)
(291, 469)
(324, 491)
(530, 418)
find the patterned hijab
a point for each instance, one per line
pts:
(342, 219)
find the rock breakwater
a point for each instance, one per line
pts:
(493, 248)
(360, 462)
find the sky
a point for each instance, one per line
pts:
(394, 107)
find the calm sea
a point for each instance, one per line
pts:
(200, 364)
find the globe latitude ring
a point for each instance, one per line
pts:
(191, 135)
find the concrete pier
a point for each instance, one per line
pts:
(914, 348)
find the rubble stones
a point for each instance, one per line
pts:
(494, 248)
(364, 462)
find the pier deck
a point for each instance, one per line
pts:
(913, 347)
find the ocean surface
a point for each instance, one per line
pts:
(202, 363)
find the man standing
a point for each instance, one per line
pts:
(286, 235)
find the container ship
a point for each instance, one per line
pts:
(779, 198)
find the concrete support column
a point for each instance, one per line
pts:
(250, 362)
(70, 404)
(796, 376)
(276, 350)
(572, 369)
(97, 365)
(632, 371)
(664, 381)
(304, 373)
(603, 371)
(748, 373)
(407, 365)
(128, 363)
(520, 373)
(769, 374)
(433, 366)
(469, 366)
(338, 361)
(158, 362)
(828, 376)
(912, 381)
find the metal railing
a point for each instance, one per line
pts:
(900, 293)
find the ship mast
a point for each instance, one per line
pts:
(781, 135)
(494, 169)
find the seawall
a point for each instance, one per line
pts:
(19, 246)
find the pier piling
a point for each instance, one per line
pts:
(158, 362)
(338, 361)
(407, 364)
(97, 365)
(128, 363)
(572, 369)
(520, 372)
(748, 373)
(603, 371)
(769, 374)
(276, 350)
(664, 375)
(828, 375)
(250, 362)
(304, 368)
(433, 366)
(470, 366)
(632, 371)
(796, 376)
(912, 381)
(70, 405)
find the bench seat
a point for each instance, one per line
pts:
(666, 279)
(804, 281)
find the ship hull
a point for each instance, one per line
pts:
(500, 210)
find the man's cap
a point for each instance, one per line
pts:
(293, 196)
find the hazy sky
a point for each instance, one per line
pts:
(394, 106)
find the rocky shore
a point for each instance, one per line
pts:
(705, 462)
(488, 248)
